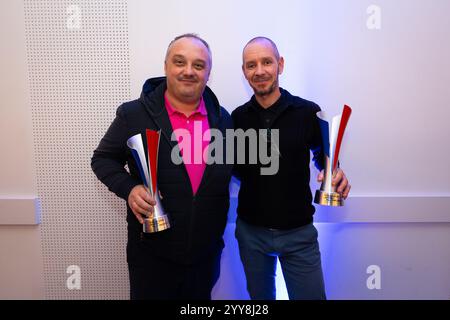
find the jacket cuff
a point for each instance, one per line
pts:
(126, 187)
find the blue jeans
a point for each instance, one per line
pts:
(298, 251)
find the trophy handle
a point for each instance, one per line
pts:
(327, 195)
(158, 220)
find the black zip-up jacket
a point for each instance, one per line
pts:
(197, 222)
(282, 200)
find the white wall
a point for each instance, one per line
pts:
(394, 150)
(17, 171)
(395, 78)
(21, 265)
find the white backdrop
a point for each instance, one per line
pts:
(395, 78)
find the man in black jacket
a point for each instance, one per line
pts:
(275, 213)
(183, 261)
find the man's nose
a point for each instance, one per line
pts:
(188, 70)
(259, 69)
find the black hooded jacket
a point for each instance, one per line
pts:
(197, 222)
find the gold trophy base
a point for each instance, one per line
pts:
(332, 199)
(156, 224)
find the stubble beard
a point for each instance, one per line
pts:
(267, 91)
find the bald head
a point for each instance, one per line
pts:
(193, 37)
(263, 40)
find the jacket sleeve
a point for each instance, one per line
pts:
(110, 157)
(315, 139)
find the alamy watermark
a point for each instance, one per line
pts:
(73, 282)
(374, 280)
(374, 20)
(263, 147)
(73, 21)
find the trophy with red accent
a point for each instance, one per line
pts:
(147, 163)
(332, 133)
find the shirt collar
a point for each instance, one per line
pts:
(274, 108)
(201, 108)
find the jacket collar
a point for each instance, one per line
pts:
(284, 101)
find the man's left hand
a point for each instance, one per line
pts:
(339, 180)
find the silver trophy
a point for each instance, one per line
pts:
(332, 133)
(157, 220)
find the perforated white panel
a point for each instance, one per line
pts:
(78, 64)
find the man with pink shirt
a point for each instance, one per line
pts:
(195, 125)
(182, 262)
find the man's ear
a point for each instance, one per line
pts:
(209, 73)
(280, 65)
(243, 71)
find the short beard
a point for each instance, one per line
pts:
(266, 92)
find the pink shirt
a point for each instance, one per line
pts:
(193, 138)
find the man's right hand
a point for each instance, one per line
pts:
(140, 202)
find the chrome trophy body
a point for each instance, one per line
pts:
(332, 133)
(157, 220)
